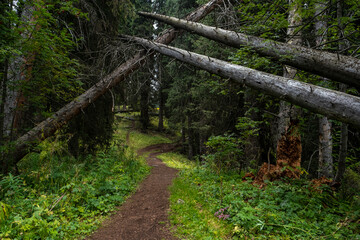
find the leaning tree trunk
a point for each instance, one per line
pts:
(334, 104)
(333, 66)
(325, 138)
(48, 127)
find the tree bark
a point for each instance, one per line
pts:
(325, 148)
(289, 114)
(191, 148)
(4, 87)
(144, 105)
(183, 135)
(161, 110)
(344, 127)
(343, 153)
(161, 96)
(333, 66)
(61, 117)
(334, 104)
(325, 137)
(16, 71)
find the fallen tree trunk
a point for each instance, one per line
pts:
(334, 104)
(333, 66)
(61, 117)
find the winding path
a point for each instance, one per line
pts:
(145, 214)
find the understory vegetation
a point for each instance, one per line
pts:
(208, 205)
(59, 197)
(78, 101)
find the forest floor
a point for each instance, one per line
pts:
(145, 214)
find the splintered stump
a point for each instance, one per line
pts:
(288, 158)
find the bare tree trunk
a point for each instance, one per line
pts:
(161, 109)
(15, 75)
(48, 127)
(144, 105)
(325, 138)
(344, 127)
(3, 87)
(337, 67)
(343, 153)
(325, 148)
(3, 140)
(183, 135)
(161, 96)
(161, 99)
(4, 67)
(191, 139)
(334, 104)
(289, 114)
(287, 111)
(11, 104)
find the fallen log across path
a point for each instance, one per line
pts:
(48, 127)
(334, 104)
(336, 67)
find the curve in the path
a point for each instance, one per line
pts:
(145, 214)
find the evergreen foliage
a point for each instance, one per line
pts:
(51, 51)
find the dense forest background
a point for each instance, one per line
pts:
(51, 51)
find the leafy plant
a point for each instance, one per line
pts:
(292, 210)
(60, 197)
(224, 151)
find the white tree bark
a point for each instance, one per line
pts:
(344, 127)
(288, 111)
(336, 105)
(333, 66)
(325, 148)
(325, 137)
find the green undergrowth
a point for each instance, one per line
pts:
(191, 214)
(139, 140)
(176, 160)
(206, 205)
(60, 197)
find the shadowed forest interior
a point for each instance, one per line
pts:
(257, 99)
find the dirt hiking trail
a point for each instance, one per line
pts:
(144, 215)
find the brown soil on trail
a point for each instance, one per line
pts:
(145, 214)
